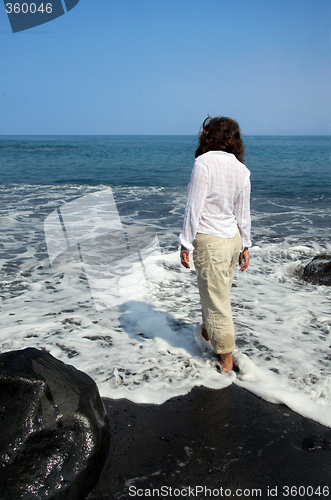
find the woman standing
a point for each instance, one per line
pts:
(217, 227)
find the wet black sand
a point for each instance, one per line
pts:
(222, 443)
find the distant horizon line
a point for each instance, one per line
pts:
(157, 135)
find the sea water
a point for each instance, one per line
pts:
(143, 348)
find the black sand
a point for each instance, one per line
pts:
(221, 443)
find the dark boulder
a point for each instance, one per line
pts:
(54, 435)
(318, 270)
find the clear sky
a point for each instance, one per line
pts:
(161, 66)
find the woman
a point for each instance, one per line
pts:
(217, 227)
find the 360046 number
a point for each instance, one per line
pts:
(303, 491)
(31, 8)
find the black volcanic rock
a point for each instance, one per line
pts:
(54, 434)
(318, 270)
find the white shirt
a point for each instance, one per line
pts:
(218, 199)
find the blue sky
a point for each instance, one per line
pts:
(161, 66)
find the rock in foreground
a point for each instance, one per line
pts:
(54, 429)
(318, 270)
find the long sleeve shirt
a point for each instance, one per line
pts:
(218, 199)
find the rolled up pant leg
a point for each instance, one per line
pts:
(215, 261)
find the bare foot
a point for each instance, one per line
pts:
(227, 361)
(205, 334)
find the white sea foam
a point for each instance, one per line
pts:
(144, 349)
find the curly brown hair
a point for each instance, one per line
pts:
(220, 134)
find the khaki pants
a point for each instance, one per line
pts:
(215, 260)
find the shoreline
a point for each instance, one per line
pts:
(219, 443)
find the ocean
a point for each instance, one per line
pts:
(142, 347)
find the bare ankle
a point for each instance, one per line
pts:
(205, 334)
(227, 361)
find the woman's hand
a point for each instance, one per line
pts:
(244, 259)
(184, 257)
